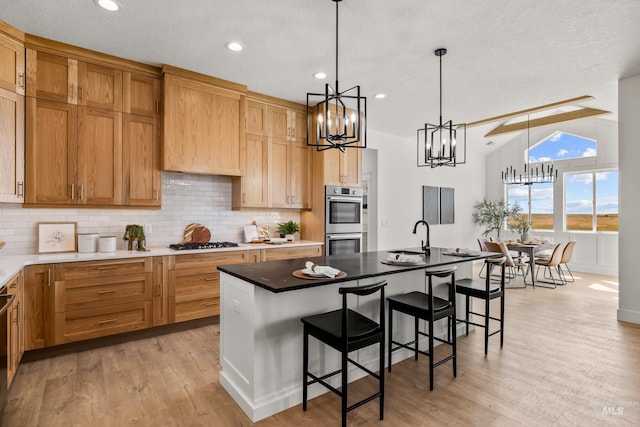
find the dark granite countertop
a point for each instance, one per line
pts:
(276, 276)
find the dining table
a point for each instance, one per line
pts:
(530, 249)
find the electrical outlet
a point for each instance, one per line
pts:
(148, 229)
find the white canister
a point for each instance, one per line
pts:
(88, 242)
(107, 243)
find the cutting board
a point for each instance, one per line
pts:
(196, 233)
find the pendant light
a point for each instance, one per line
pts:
(340, 116)
(530, 176)
(438, 145)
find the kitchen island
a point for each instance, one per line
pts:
(261, 332)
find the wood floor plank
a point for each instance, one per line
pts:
(566, 361)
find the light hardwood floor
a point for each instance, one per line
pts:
(566, 361)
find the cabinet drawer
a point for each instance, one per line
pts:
(196, 306)
(273, 254)
(194, 281)
(102, 291)
(181, 262)
(90, 269)
(98, 322)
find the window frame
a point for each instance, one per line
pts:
(594, 201)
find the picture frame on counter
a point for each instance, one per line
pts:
(56, 237)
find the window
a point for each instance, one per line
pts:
(591, 201)
(536, 200)
(562, 146)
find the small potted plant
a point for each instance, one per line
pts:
(135, 233)
(519, 223)
(286, 229)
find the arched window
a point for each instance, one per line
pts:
(562, 146)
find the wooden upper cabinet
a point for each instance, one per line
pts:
(141, 150)
(51, 77)
(300, 176)
(286, 123)
(201, 127)
(342, 168)
(51, 152)
(298, 119)
(252, 189)
(99, 156)
(256, 118)
(99, 86)
(290, 175)
(11, 147)
(141, 94)
(12, 65)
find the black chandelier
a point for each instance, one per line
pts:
(340, 116)
(542, 174)
(438, 144)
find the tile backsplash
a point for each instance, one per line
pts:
(186, 199)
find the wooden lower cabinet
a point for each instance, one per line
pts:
(38, 306)
(15, 326)
(194, 283)
(95, 299)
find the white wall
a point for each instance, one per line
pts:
(629, 128)
(185, 199)
(400, 184)
(594, 252)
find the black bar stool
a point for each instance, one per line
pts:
(485, 290)
(430, 308)
(346, 330)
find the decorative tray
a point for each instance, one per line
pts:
(299, 274)
(402, 263)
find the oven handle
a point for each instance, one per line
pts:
(344, 236)
(9, 298)
(345, 199)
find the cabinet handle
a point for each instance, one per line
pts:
(20, 189)
(49, 277)
(107, 321)
(110, 267)
(157, 106)
(18, 313)
(82, 192)
(210, 303)
(210, 279)
(109, 291)
(161, 291)
(244, 197)
(80, 91)
(73, 191)
(21, 80)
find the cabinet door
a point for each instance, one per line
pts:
(279, 173)
(256, 118)
(15, 326)
(299, 125)
(255, 182)
(11, 147)
(99, 86)
(201, 128)
(12, 72)
(352, 167)
(51, 77)
(38, 306)
(160, 291)
(51, 152)
(332, 159)
(141, 95)
(141, 151)
(99, 156)
(299, 176)
(279, 123)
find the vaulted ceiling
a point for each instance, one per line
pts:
(504, 55)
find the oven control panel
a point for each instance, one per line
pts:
(343, 191)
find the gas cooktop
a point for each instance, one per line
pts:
(208, 245)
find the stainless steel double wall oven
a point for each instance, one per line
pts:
(343, 220)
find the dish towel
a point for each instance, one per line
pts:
(405, 258)
(322, 269)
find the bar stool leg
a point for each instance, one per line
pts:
(430, 353)
(415, 334)
(486, 325)
(467, 315)
(390, 337)
(381, 358)
(454, 316)
(305, 368)
(502, 319)
(345, 382)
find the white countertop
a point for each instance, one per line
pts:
(10, 265)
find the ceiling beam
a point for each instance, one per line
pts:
(508, 116)
(547, 120)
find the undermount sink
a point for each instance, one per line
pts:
(406, 252)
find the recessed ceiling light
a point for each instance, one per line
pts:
(234, 46)
(320, 75)
(380, 95)
(110, 5)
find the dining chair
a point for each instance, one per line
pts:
(514, 265)
(550, 264)
(567, 254)
(483, 248)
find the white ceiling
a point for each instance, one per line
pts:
(504, 55)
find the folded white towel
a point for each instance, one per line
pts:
(404, 258)
(322, 269)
